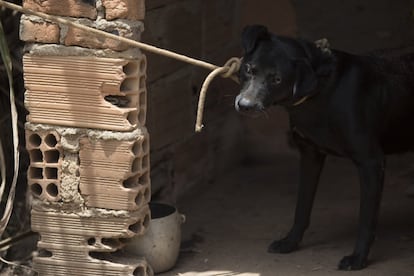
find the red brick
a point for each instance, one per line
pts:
(125, 9)
(37, 31)
(73, 8)
(77, 37)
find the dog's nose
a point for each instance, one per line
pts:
(243, 103)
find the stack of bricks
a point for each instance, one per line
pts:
(86, 137)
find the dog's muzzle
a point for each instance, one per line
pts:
(243, 103)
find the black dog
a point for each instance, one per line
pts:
(358, 107)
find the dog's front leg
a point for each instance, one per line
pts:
(311, 163)
(371, 181)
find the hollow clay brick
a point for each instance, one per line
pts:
(38, 31)
(44, 173)
(81, 265)
(115, 174)
(127, 9)
(71, 91)
(82, 244)
(72, 8)
(87, 226)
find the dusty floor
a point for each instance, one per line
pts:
(230, 224)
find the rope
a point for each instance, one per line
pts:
(227, 71)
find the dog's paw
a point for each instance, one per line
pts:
(352, 262)
(283, 246)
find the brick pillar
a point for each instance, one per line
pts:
(86, 137)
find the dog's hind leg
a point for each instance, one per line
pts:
(311, 163)
(371, 174)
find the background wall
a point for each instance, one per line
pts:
(210, 30)
(180, 158)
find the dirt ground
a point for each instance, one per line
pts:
(230, 223)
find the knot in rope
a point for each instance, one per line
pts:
(228, 70)
(231, 67)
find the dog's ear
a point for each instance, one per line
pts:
(251, 35)
(305, 81)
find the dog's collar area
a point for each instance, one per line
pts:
(301, 101)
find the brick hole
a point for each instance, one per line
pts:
(145, 161)
(139, 199)
(147, 195)
(36, 155)
(143, 65)
(36, 189)
(146, 221)
(136, 148)
(51, 173)
(44, 253)
(91, 241)
(52, 189)
(145, 145)
(142, 80)
(35, 173)
(111, 242)
(131, 182)
(35, 140)
(139, 271)
(142, 98)
(124, 240)
(136, 227)
(119, 101)
(51, 140)
(52, 156)
(129, 84)
(100, 255)
(144, 179)
(136, 165)
(133, 117)
(141, 116)
(133, 100)
(131, 68)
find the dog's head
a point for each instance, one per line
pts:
(276, 70)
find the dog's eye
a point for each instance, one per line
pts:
(277, 79)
